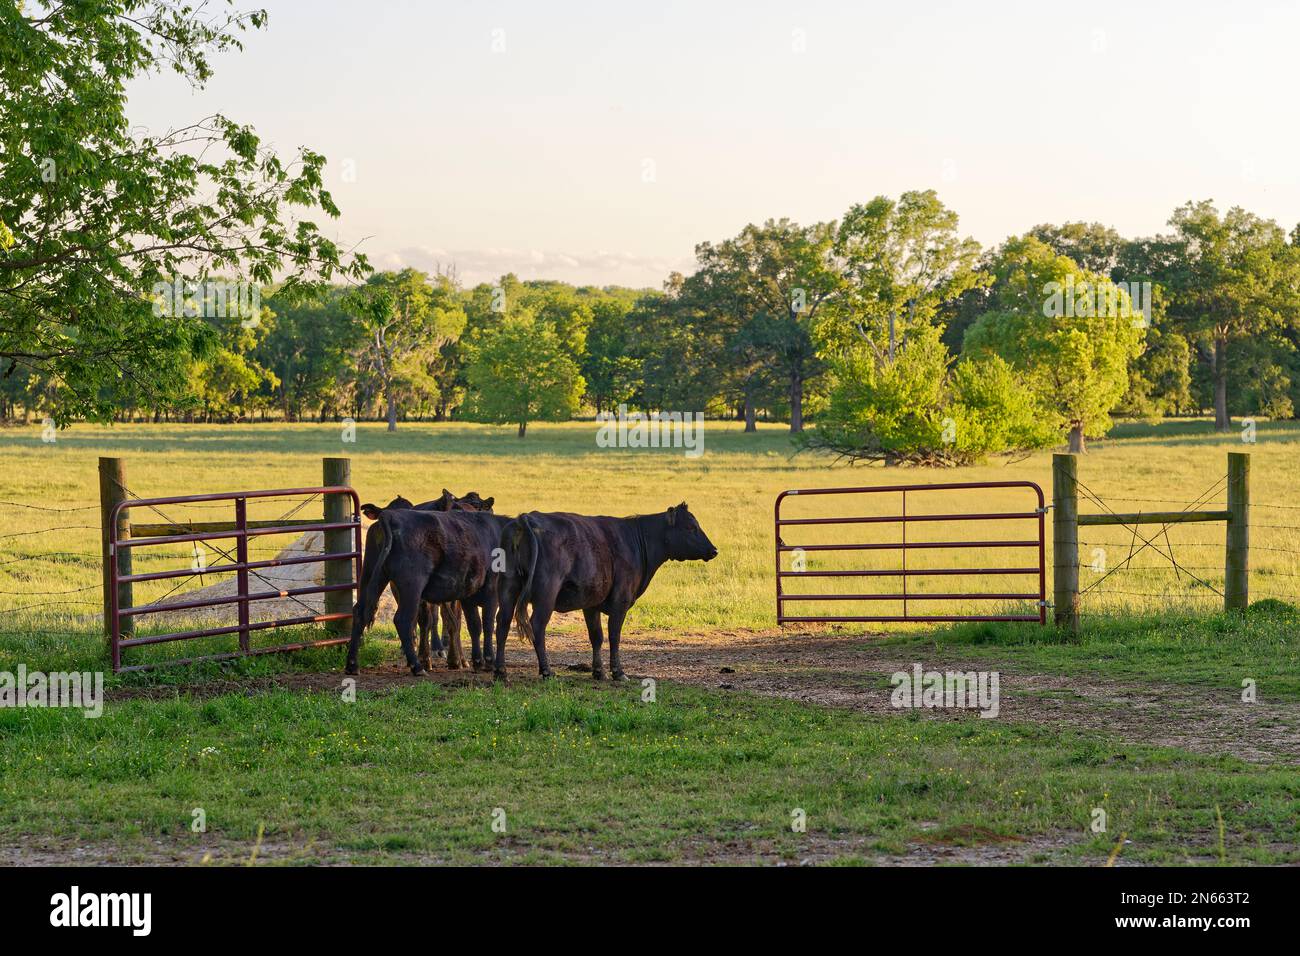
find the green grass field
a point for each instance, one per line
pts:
(591, 774)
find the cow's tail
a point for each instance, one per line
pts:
(372, 578)
(525, 528)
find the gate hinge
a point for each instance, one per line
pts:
(1046, 604)
(1044, 509)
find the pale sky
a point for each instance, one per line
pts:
(599, 142)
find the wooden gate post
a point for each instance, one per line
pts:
(1236, 567)
(337, 472)
(112, 489)
(1065, 540)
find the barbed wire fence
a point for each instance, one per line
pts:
(1193, 575)
(1193, 581)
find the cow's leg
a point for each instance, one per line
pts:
(593, 631)
(615, 634)
(430, 644)
(451, 630)
(438, 650)
(362, 614)
(423, 615)
(542, 609)
(475, 625)
(489, 616)
(405, 621)
(507, 597)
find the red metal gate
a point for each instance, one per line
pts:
(241, 531)
(903, 519)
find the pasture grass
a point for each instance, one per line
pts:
(1213, 650)
(591, 773)
(731, 488)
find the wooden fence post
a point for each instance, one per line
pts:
(338, 472)
(1065, 540)
(112, 489)
(1236, 567)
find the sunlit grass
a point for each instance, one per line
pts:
(731, 488)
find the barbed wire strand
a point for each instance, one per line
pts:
(1149, 542)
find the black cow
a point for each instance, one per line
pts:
(427, 619)
(427, 556)
(597, 565)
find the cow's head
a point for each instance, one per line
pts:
(684, 539)
(471, 502)
(372, 511)
(475, 502)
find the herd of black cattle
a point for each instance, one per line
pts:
(453, 555)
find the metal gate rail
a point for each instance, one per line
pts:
(904, 546)
(242, 531)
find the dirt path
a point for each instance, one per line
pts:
(853, 673)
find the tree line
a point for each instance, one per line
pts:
(902, 339)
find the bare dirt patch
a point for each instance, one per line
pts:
(853, 673)
(809, 849)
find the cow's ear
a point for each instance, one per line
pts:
(488, 503)
(672, 517)
(447, 499)
(447, 494)
(370, 511)
(682, 507)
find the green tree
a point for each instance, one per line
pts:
(309, 348)
(1071, 334)
(783, 272)
(227, 378)
(901, 262)
(1092, 246)
(95, 215)
(919, 409)
(520, 372)
(1230, 279)
(407, 317)
(612, 374)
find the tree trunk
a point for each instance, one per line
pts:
(523, 427)
(392, 413)
(796, 403)
(1222, 422)
(749, 415)
(1077, 444)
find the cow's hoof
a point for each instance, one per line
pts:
(417, 670)
(548, 675)
(619, 675)
(352, 669)
(499, 676)
(597, 675)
